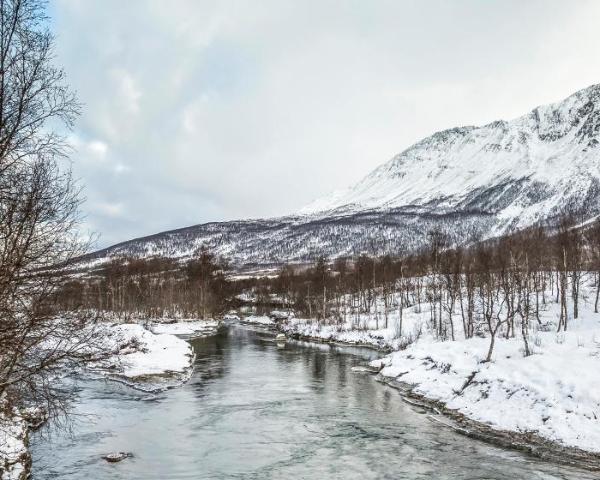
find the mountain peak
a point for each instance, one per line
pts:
(442, 170)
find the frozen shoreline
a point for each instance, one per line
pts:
(547, 403)
(153, 358)
(185, 328)
(303, 329)
(553, 394)
(165, 358)
(15, 459)
(526, 442)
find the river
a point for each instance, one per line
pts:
(253, 411)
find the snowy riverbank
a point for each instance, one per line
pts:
(158, 355)
(552, 395)
(185, 328)
(147, 357)
(373, 330)
(305, 329)
(262, 320)
(368, 330)
(15, 426)
(148, 360)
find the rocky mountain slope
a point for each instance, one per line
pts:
(470, 181)
(521, 171)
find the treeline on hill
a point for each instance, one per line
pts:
(494, 287)
(491, 288)
(151, 288)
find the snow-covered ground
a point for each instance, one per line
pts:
(15, 425)
(145, 358)
(281, 314)
(153, 351)
(14, 455)
(553, 393)
(253, 298)
(189, 328)
(343, 333)
(148, 354)
(364, 329)
(258, 320)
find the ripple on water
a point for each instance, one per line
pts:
(253, 411)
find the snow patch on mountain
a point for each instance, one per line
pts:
(520, 170)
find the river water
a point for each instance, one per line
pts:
(253, 411)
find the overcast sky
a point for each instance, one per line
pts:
(200, 111)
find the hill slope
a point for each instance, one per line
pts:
(471, 181)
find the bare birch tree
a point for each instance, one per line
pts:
(39, 214)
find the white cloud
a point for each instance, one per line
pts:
(120, 168)
(228, 109)
(108, 209)
(98, 148)
(127, 90)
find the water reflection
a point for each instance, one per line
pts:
(255, 411)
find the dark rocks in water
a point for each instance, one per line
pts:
(117, 456)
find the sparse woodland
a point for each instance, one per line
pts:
(128, 288)
(495, 288)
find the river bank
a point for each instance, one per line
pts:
(527, 442)
(547, 403)
(149, 357)
(255, 410)
(532, 404)
(564, 440)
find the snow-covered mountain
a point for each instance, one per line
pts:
(521, 170)
(482, 181)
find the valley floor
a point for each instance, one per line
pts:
(553, 394)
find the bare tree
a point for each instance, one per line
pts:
(39, 215)
(593, 240)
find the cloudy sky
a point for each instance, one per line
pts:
(200, 111)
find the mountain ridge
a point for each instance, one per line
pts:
(547, 121)
(473, 181)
